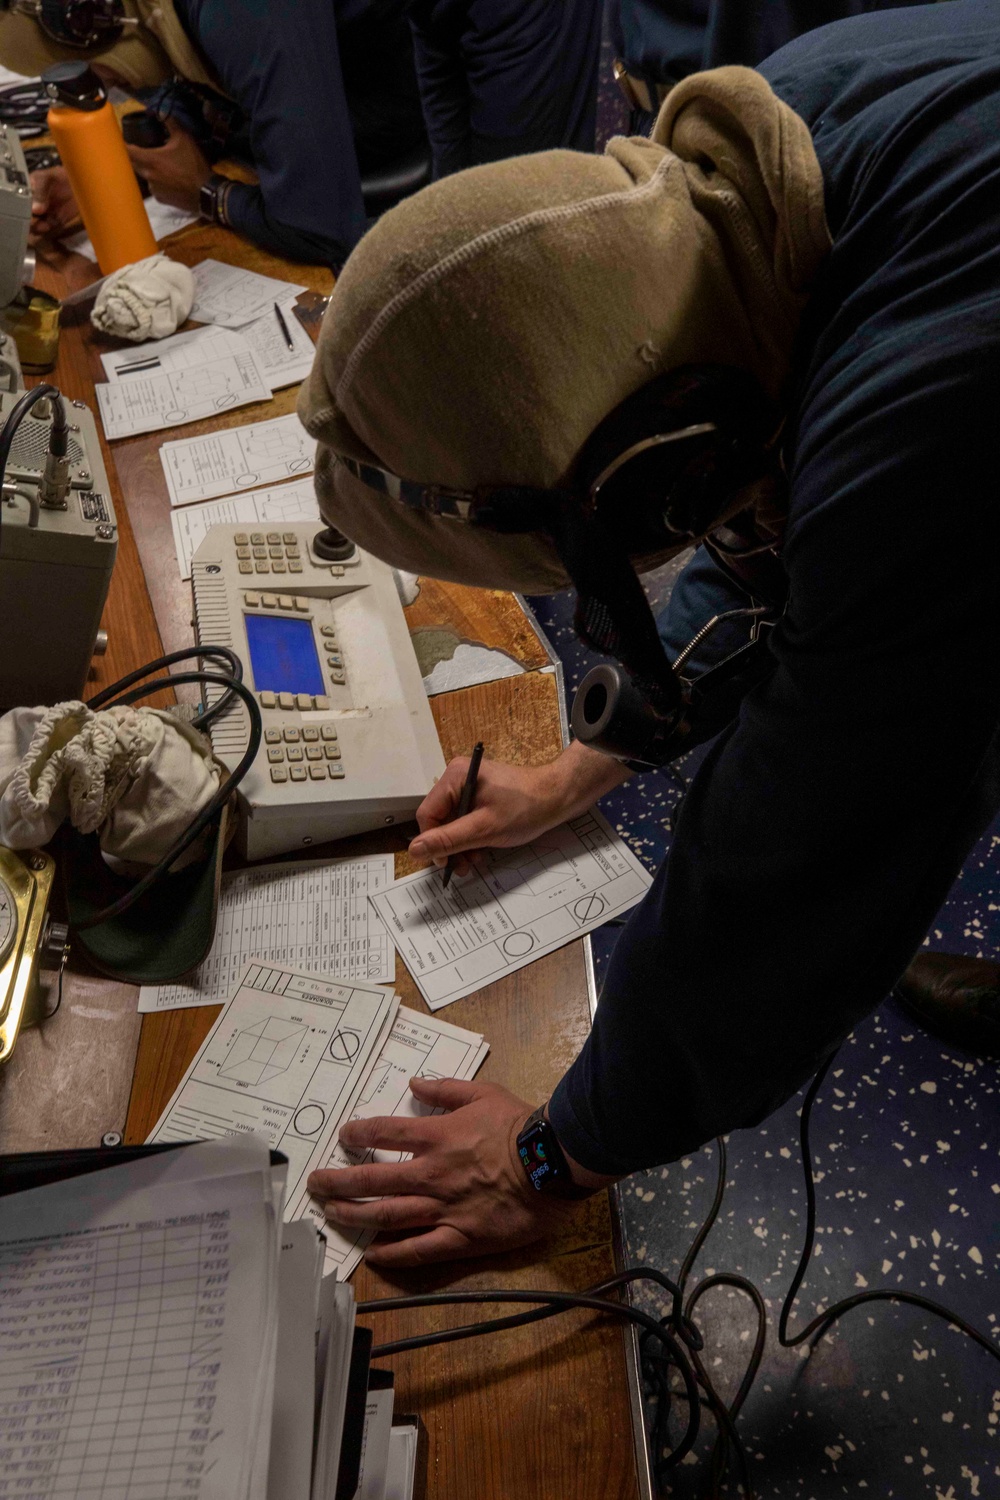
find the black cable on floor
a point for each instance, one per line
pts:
(671, 1346)
(822, 1321)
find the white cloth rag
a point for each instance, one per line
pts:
(136, 776)
(147, 300)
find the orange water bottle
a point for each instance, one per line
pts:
(88, 136)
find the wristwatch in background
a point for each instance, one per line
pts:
(543, 1161)
(212, 199)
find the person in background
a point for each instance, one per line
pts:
(658, 42)
(315, 95)
(504, 77)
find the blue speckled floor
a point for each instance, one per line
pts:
(906, 1138)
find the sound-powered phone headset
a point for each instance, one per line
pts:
(690, 456)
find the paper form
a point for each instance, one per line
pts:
(524, 903)
(163, 220)
(278, 365)
(286, 502)
(418, 1046)
(240, 458)
(230, 296)
(131, 1345)
(312, 916)
(181, 351)
(402, 1463)
(375, 1445)
(333, 1367)
(169, 398)
(282, 366)
(299, 1271)
(287, 1057)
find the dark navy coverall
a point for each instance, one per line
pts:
(830, 818)
(321, 81)
(664, 40)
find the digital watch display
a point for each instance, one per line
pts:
(543, 1161)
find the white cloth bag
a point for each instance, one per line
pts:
(147, 300)
(135, 776)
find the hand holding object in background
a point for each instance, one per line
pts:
(54, 210)
(176, 171)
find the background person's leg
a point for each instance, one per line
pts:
(503, 77)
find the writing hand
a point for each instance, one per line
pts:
(514, 804)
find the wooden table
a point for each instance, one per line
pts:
(541, 1413)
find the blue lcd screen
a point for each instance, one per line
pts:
(283, 655)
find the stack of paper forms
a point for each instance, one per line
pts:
(164, 1335)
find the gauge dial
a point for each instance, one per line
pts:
(8, 919)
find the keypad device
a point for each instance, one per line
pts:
(275, 550)
(267, 552)
(321, 754)
(322, 759)
(348, 738)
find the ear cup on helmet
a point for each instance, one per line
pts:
(662, 491)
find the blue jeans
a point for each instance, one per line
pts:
(702, 591)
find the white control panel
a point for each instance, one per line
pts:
(349, 742)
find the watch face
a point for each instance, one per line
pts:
(540, 1155)
(8, 919)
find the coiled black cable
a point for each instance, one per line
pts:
(131, 688)
(822, 1321)
(678, 1335)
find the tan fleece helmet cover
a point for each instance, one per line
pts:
(145, 56)
(483, 328)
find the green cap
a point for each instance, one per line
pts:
(166, 933)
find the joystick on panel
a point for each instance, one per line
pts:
(333, 546)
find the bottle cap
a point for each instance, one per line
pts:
(76, 85)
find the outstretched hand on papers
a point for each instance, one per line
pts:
(463, 1193)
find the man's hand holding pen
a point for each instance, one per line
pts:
(513, 804)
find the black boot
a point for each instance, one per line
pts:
(956, 999)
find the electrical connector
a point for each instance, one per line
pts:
(54, 487)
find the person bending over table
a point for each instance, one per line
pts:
(815, 243)
(315, 95)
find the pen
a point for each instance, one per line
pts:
(138, 365)
(283, 326)
(467, 798)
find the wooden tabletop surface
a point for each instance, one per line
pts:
(540, 1413)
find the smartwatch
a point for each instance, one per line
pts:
(212, 199)
(543, 1161)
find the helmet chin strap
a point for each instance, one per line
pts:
(613, 614)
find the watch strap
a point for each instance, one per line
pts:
(212, 199)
